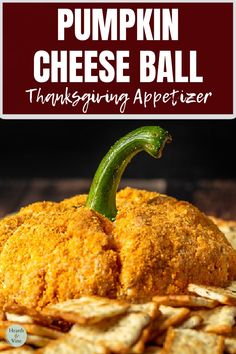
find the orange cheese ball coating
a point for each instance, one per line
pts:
(51, 252)
(164, 244)
(57, 253)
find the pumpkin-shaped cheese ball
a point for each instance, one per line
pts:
(154, 244)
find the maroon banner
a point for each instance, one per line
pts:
(118, 58)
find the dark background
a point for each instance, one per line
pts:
(200, 149)
(53, 160)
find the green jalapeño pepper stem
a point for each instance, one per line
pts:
(102, 194)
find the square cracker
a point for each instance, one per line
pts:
(117, 334)
(38, 330)
(218, 320)
(139, 347)
(35, 316)
(225, 296)
(191, 322)
(87, 309)
(37, 341)
(33, 328)
(150, 308)
(185, 301)
(170, 316)
(73, 345)
(190, 341)
(12, 317)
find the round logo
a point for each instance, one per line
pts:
(16, 335)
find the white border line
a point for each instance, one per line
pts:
(118, 116)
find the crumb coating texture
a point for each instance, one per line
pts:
(52, 252)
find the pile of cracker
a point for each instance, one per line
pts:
(203, 322)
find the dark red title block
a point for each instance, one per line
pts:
(118, 58)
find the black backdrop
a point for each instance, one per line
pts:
(200, 149)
